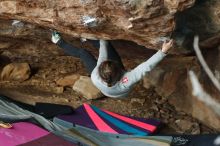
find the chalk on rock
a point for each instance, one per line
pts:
(89, 21)
(17, 23)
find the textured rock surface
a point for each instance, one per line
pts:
(186, 125)
(85, 87)
(203, 19)
(145, 22)
(173, 82)
(67, 80)
(49, 64)
(40, 35)
(16, 72)
(5, 45)
(142, 21)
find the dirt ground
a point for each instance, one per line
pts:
(48, 63)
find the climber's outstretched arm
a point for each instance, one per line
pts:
(144, 68)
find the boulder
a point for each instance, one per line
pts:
(170, 79)
(170, 74)
(68, 80)
(145, 22)
(85, 87)
(58, 90)
(5, 45)
(16, 72)
(188, 126)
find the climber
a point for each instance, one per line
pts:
(108, 73)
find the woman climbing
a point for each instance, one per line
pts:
(108, 73)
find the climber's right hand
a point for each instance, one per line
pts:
(167, 45)
(55, 37)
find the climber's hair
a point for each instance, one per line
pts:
(110, 72)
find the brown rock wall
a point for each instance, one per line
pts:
(142, 21)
